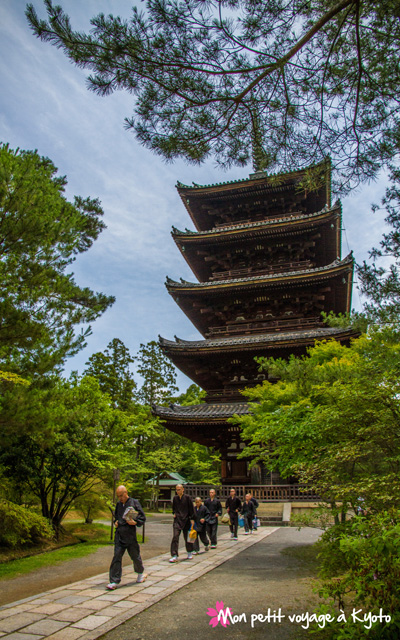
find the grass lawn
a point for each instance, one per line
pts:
(79, 540)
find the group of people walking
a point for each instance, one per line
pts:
(247, 509)
(201, 517)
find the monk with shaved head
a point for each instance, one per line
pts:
(127, 516)
(183, 510)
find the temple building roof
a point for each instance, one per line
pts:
(259, 195)
(266, 279)
(201, 412)
(215, 254)
(244, 228)
(235, 343)
(280, 178)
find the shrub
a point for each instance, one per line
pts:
(21, 527)
(362, 558)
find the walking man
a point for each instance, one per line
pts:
(125, 537)
(201, 515)
(215, 508)
(233, 506)
(183, 510)
(255, 502)
(248, 511)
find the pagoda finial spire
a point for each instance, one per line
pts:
(261, 159)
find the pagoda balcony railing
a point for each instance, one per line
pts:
(276, 268)
(270, 325)
(259, 218)
(218, 394)
(262, 492)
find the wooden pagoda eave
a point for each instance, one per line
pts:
(201, 414)
(308, 276)
(190, 359)
(195, 196)
(238, 233)
(189, 349)
(190, 244)
(189, 298)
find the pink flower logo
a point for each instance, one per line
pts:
(219, 614)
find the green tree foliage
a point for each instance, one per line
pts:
(360, 567)
(41, 234)
(111, 369)
(80, 439)
(200, 464)
(93, 502)
(158, 375)
(332, 419)
(192, 395)
(295, 81)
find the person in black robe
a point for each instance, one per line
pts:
(233, 506)
(125, 537)
(248, 512)
(183, 510)
(255, 502)
(201, 516)
(215, 508)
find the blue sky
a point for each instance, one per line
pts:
(44, 105)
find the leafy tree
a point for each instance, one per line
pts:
(200, 464)
(80, 442)
(93, 502)
(192, 395)
(158, 375)
(112, 371)
(360, 567)
(332, 419)
(294, 81)
(40, 236)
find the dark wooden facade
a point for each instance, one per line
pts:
(267, 256)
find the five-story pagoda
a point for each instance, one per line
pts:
(267, 256)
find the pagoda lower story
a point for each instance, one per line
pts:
(266, 254)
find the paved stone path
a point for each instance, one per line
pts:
(86, 611)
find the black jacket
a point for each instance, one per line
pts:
(255, 502)
(214, 507)
(233, 504)
(183, 509)
(199, 514)
(127, 532)
(248, 509)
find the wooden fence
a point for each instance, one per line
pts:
(262, 493)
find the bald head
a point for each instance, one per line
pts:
(122, 493)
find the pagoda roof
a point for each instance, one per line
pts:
(201, 412)
(246, 227)
(266, 279)
(267, 340)
(197, 198)
(273, 178)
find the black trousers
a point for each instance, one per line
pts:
(132, 547)
(175, 538)
(233, 522)
(203, 537)
(248, 522)
(212, 532)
